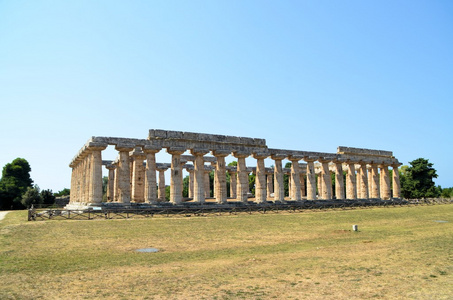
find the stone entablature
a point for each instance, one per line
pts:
(133, 175)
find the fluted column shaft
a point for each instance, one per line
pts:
(260, 180)
(339, 181)
(191, 183)
(279, 187)
(123, 174)
(150, 175)
(243, 181)
(220, 186)
(175, 177)
(199, 180)
(375, 187)
(111, 183)
(269, 184)
(396, 182)
(295, 180)
(207, 184)
(303, 192)
(138, 178)
(385, 182)
(95, 193)
(351, 183)
(161, 189)
(363, 181)
(311, 180)
(326, 184)
(233, 184)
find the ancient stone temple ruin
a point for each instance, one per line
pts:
(136, 177)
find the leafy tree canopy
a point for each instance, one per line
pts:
(417, 180)
(14, 182)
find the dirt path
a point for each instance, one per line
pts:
(3, 214)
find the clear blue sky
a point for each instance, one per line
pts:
(304, 75)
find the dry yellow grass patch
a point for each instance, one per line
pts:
(398, 253)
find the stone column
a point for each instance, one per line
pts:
(233, 184)
(320, 184)
(175, 178)
(303, 192)
(243, 180)
(191, 182)
(279, 187)
(111, 182)
(359, 181)
(311, 178)
(363, 180)
(86, 179)
(326, 183)
(270, 183)
(161, 189)
(150, 174)
(375, 194)
(138, 178)
(385, 182)
(115, 183)
(396, 181)
(295, 177)
(220, 186)
(95, 193)
(207, 183)
(199, 171)
(124, 173)
(339, 181)
(351, 186)
(260, 179)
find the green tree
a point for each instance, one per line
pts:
(31, 197)
(447, 193)
(14, 183)
(417, 180)
(63, 192)
(47, 197)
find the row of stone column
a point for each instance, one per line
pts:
(133, 182)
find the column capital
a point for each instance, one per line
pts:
(151, 149)
(295, 157)
(310, 158)
(260, 155)
(278, 156)
(221, 153)
(96, 146)
(199, 151)
(396, 165)
(137, 153)
(124, 147)
(110, 167)
(176, 150)
(324, 160)
(241, 154)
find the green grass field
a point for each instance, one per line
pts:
(398, 253)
